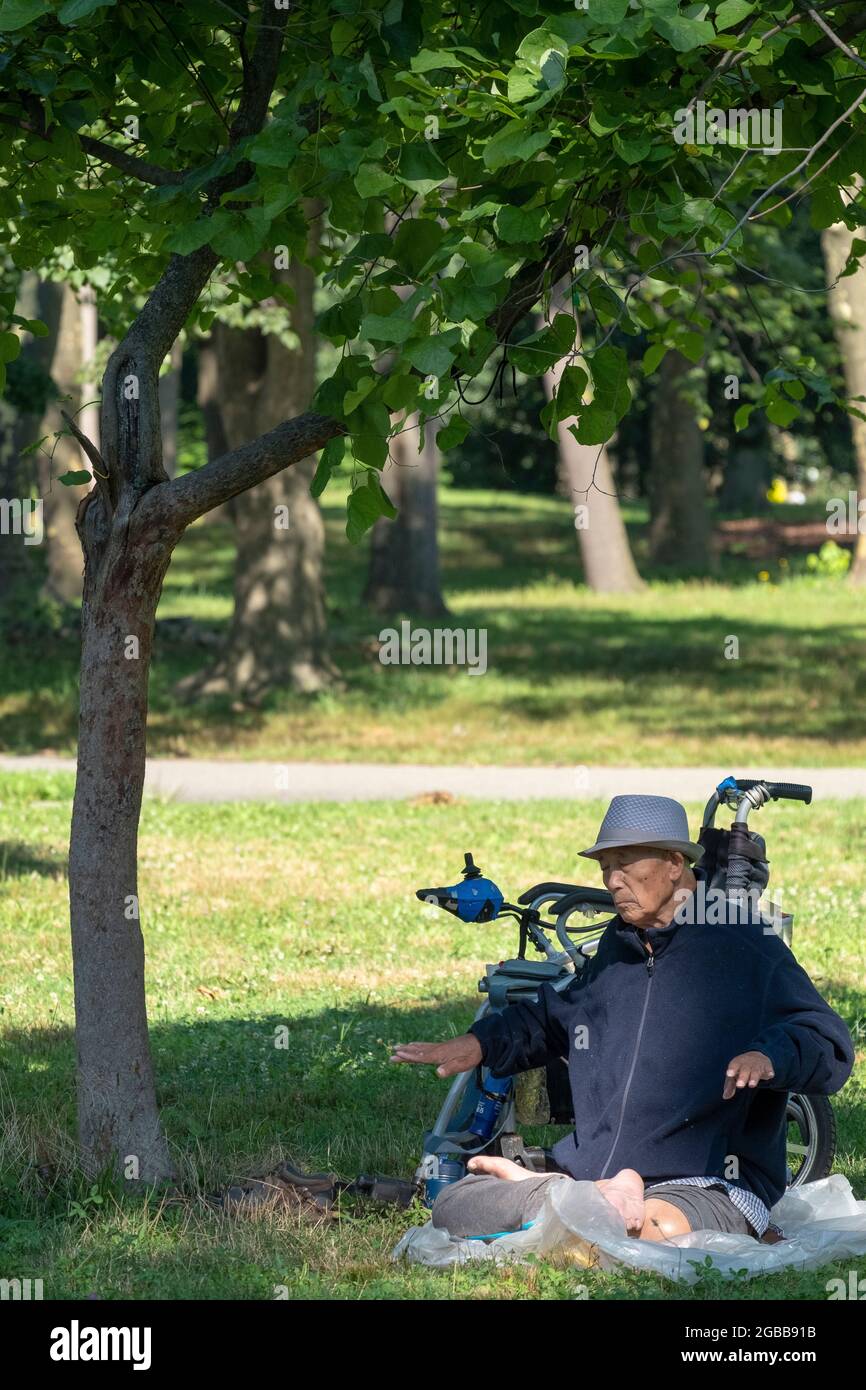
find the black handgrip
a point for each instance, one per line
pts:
(779, 791)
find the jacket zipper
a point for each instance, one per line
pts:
(650, 968)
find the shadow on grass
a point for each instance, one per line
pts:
(235, 1094)
(18, 859)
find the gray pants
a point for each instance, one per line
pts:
(482, 1206)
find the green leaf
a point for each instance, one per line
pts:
(73, 10)
(427, 60)
(76, 478)
(596, 425)
(10, 346)
(520, 224)
(240, 237)
(388, 328)
(653, 356)
(569, 397)
(369, 73)
(276, 147)
(14, 14)
(420, 167)
(34, 326)
(401, 391)
(341, 321)
(633, 148)
(514, 144)
(537, 353)
(682, 33)
(331, 457)
(827, 206)
(365, 505)
(466, 301)
(610, 381)
(193, 235)
(782, 412)
(692, 345)
(741, 416)
(453, 433)
(370, 427)
(353, 398)
(417, 240)
(372, 180)
(730, 12)
(433, 357)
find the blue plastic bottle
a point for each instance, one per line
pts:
(451, 1169)
(494, 1093)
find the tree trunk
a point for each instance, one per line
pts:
(278, 631)
(679, 519)
(169, 400)
(117, 1112)
(608, 565)
(19, 427)
(128, 525)
(63, 580)
(208, 400)
(847, 304)
(404, 552)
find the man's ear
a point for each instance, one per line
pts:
(678, 863)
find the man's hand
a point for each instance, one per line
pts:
(746, 1070)
(460, 1054)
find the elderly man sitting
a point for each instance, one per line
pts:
(682, 1040)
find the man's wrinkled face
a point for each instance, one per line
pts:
(640, 880)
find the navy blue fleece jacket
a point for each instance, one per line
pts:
(647, 1069)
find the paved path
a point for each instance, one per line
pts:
(194, 779)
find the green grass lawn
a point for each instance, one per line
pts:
(573, 678)
(258, 916)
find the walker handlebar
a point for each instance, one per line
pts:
(779, 791)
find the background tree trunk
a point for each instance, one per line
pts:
(679, 517)
(278, 631)
(608, 564)
(208, 401)
(21, 415)
(169, 400)
(847, 304)
(403, 574)
(63, 580)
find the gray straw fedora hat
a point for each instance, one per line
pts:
(645, 820)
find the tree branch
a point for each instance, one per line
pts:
(130, 401)
(183, 499)
(131, 164)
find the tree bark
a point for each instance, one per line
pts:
(208, 401)
(117, 1113)
(679, 518)
(608, 564)
(278, 632)
(63, 580)
(128, 525)
(847, 303)
(404, 551)
(19, 427)
(169, 400)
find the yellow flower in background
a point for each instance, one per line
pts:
(763, 575)
(777, 491)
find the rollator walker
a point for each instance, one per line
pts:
(486, 1114)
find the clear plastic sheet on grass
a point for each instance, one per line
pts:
(822, 1221)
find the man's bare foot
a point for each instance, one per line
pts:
(625, 1192)
(500, 1168)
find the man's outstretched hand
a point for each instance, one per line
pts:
(449, 1058)
(746, 1070)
